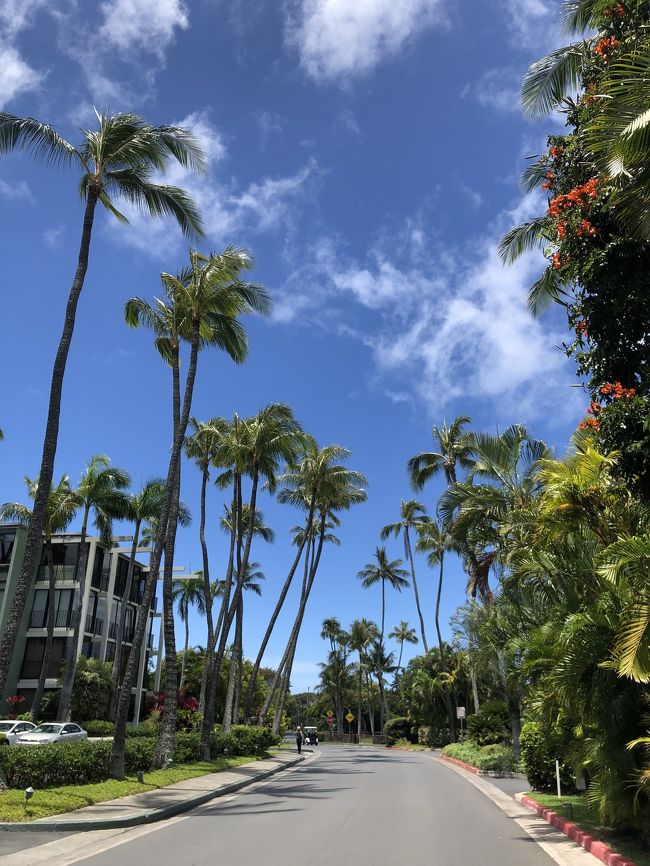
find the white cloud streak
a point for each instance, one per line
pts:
(145, 24)
(337, 39)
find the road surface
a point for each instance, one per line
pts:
(349, 807)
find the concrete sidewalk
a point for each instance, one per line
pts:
(151, 806)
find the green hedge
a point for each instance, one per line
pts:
(497, 759)
(85, 762)
(99, 728)
(397, 729)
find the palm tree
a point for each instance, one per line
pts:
(201, 446)
(301, 485)
(402, 633)
(187, 593)
(144, 507)
(118, 160)
(212, 296)
(331, 631)
(362, 633)
(436, 541)
(61, 506)
(412, 516)
(383, 570)
(100, 490)
(454, 450)
(255, 448)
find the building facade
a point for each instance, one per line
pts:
(104, 597)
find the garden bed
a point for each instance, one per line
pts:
(492, 761)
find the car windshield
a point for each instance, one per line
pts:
(6, 726)
(47, 729)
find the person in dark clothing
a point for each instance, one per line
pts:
(299, 739)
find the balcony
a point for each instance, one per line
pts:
(38, 619)
(94, 625)
(61, 573)
(100, 582)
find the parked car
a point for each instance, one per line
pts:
(52, 732)
(11, 728)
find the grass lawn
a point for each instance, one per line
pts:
(627, 846)
(54, 801)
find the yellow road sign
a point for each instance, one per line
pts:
(350, 717)
(329, 714)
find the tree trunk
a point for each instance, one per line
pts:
(37, 519)
(380, 647)
(212, 674)
(359, 690)
(248, 706)
(49, 640)
(185, 650)
(443, 664)
(65, 698)
(239, 647)
(407, 540)
(164, 754)
(371, 704)
(207, 592)
(472, 674)
(515, 725)
(121, 626)
(119, 739)
(295, 631)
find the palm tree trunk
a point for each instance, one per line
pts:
(371, 704)
(119, 739)
(359, 689)
(248, 706)
(65, 698)
(295, 631)
(239, 646)
(380, 646)
(207, 592)
(164, 753)
(49, 640)
(226, 722)
(409, 551)
(401, 650)
(212, 675)
(443, 663)
(473, 679)
(121, 625)
(37, 519)
(185, 649)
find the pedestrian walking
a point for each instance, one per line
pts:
(299, 739)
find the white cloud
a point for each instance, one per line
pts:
(473, 196)
(337, 39)
(347, 121)
(16, 15)
(498, 88)
(227, 210)
(534, 25)
(54, 236)
(147, 24)
(447, 328)
(17, 190)
(16, 75)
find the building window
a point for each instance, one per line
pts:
(7, 541)
(33, 658)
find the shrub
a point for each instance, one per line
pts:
(92, 689)
(396, 729)
(186, 748)
(146, 729)
(489, 724)
(431, 735)
(540, 748)
(99, 728)
(494, 758)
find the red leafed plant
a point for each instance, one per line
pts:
(14, 702)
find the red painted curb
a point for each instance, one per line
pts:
(599, 849)
(468, 767)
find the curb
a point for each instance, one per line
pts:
(150, 816)
(597, 849)
(462, 764)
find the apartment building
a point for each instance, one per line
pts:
(104, 596)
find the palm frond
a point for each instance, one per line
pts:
(548, 289)
(523, 238)
(40, 140)
(552, 78)
(157, 199)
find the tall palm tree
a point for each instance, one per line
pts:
(383, 570)
(101, 491)
(362, 633)
(454, 452)
(61, 506)
(301, 486)
(117, 160)
(331, 631)
(256, 448)
(187, 593)
(213, 296)
(402, 633)
(144, 510)
(436, 541)
(412, 516)
(201, 446)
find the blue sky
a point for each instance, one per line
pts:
(368, 155)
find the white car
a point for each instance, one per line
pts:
(52, 732)
(11, 728)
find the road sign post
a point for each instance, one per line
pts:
(460, 714)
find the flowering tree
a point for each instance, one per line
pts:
(14, 702)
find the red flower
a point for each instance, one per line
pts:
(605, 46)
(556, 261)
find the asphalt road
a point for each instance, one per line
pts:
(350, 806)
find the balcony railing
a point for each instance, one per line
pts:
(101, 582)
(38, 619)
(94, 625)
(61, 572)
